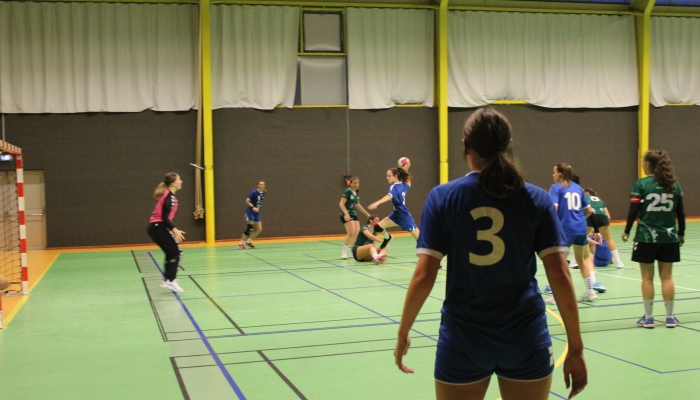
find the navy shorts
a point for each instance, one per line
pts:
(403, 220)
(252, 216)
(647, 253)
(578, 240)
(472, 365)
(601, 219)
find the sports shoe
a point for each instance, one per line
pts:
(589, 297)
(572, 265)
(620, 265)
(172, 285)
(646, 322)
(250, 244)
(599, 288)
(547, 290)
(241, 246)
(386, 242)
(379, 259)
(163, 285)
(672, 322)
(344, 255)
(550, 301)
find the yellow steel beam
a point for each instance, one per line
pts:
(442, 90)
(643, 35)
(207, 128)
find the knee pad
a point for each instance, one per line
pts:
(378, 228)
(248, 230)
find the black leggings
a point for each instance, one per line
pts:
(165, 239)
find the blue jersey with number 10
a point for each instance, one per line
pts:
(492, 298)
(570, 201)
(398, 196)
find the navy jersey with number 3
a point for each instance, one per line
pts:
(492, 298)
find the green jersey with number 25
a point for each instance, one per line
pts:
(656, 222)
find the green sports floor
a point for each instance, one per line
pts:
(290, 320)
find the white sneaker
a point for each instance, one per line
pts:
(589, 296)
(172, 285)
(620, 264)
(163, 285)
(344, 255)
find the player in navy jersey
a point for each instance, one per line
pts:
(162, 230)
(400, 181)
(656, 202)
(252, 216)
(573, 208)
(491, 225)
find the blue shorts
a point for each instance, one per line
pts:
(403, 220)
(578, 240)
(250, 215)
(468, 366)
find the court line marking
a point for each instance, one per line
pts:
(281, 375)
(25, 298)
(180, 381)
(228, 317)
(208, 345)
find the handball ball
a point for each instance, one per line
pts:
(403, 162)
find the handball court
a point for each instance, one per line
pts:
(291, 320)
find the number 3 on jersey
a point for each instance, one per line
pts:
(489, 235)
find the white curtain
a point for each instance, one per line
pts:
(254, 56)
(675, 61)
(551, 60)
(390, 57)
(93, 57)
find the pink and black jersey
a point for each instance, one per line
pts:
(165, 210)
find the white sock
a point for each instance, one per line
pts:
(374, 256)
(589, 284)
(385, 234)
(241, 242)
(669, 308)
(249, 240)
(616, 256)
(345, 249)
(593, 277)
(648, 308)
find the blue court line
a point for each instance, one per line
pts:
(630, 362)
(215, 356)
(558, 395)
(368, 276)
(342, 297)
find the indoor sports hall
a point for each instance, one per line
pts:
(99, 100)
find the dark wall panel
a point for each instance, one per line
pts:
(601, 145)
(302, 153)
(101, 169)
(676, 129)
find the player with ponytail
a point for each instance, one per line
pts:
(656, 202)
(163, 232)
(491, 224)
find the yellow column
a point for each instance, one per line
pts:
(442, 90)
(207, 130)
(643, 30)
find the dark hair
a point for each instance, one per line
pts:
(169, 178)
(576, 179)
(567, 173)
(488, 133)
(371, 217)
(662, 169)
(401, 173)
(590, 191)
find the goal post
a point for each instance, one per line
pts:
(13, 233)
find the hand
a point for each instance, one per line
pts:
(682, 240)
(179, 235)
(598, 238)
(575, 372)
(4, 283)
(346, 217)
(256, 209)
(373, 206)
(624, 236)
(401, 350)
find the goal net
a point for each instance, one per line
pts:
(13, 243)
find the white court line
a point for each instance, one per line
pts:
(639, 280)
